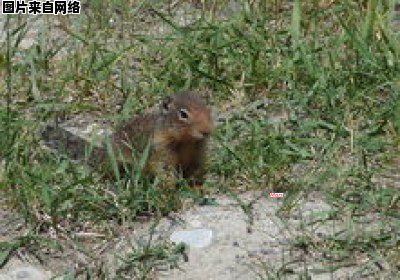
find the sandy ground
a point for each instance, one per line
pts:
(236, 248)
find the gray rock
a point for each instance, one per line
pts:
(197, 238)
(27, 273)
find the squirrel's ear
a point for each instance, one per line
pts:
(165, 105)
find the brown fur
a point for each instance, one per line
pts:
(177, 133)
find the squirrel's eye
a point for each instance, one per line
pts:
(183, 114)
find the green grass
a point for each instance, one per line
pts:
(331, 70)
(138, 264)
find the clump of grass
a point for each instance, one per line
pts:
(140, 263)
(255, 154)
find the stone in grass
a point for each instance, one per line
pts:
(197, 238)
(27, 273)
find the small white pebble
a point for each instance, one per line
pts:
(27, 273)
(197, 238)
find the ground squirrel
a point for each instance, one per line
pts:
(177, 134)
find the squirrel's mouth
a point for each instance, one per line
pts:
(200, 135)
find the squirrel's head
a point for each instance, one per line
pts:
(188, 116)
